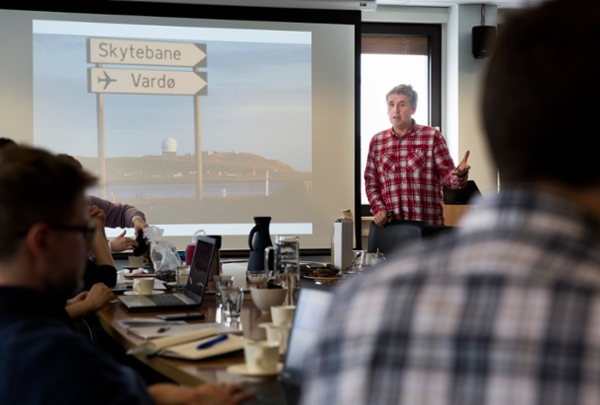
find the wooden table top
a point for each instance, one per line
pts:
(187, 372)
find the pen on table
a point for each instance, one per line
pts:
(163, 329)
(212, 342)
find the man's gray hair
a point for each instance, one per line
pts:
(407, 90)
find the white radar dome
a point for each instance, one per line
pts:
(169, 145)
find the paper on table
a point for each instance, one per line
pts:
(135, 322)
(152, 347)
(190, 351)
(149, 331)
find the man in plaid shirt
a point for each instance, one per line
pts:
(506, 308)
(408, 165)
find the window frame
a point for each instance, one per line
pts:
(433, 32)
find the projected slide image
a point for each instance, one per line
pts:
(254, 129)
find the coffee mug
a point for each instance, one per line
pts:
(261, 356)
(277, 334)
(273, 331)
(137, 261)
(143, 286)
(284, 336)
(281, 314)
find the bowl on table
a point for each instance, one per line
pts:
(265, 298)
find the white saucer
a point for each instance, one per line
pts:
(145, 266)
(134, 293)
(243, 370)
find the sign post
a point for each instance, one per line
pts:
(147, 81)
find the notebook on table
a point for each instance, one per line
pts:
(313, 302)
(194, 290)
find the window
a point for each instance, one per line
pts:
(393, 54)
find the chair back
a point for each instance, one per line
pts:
(393, 235)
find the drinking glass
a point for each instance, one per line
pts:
(183, 272)
(220, 283)
(287, 264)
(232, 298)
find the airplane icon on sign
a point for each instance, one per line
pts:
(106, 79)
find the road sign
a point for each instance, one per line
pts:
(143, 81)
(134, 52)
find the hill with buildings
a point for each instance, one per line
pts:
(217, 166)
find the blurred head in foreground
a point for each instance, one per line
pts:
(540, 95)
(44, 223)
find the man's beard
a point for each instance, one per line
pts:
(68, 284)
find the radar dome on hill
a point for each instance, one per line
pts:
(169, 147)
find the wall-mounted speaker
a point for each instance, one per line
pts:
(483, 40)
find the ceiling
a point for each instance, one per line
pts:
(448, 3)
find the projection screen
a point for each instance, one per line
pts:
(202, 122)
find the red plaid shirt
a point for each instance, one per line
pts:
(406, 175)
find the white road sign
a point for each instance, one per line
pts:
(134, 52)
(142, 81)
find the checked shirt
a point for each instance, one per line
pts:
(503, 310)
(406, 175)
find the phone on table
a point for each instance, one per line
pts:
(181, 317)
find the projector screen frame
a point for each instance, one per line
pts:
(189, 11)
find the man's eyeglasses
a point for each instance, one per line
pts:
(87, 231)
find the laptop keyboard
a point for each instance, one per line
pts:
(273, 392)
(267, 393)
(165, 299)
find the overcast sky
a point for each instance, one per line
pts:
(259, 101)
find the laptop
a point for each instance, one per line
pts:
(313, 302)
(194, 290)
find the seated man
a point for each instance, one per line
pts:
(506, 309)
(87, 302)
(120, 216)
(116, 215)
(100, 266)
(45, 236)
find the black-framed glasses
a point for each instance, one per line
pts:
(87, 231)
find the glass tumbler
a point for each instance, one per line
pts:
(232, 299)
(220, 283)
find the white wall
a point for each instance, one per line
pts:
(464, 74)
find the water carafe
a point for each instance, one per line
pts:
(258, 239)
(286, 264)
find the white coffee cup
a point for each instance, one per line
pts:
(261, 356)
(284, 336)
(273, 332)
(278, 334)
(283, 314)
(143, 286)
(137, 261)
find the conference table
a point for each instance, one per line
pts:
(190, 373)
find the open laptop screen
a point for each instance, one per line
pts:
(200, 268)
(313, 303)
